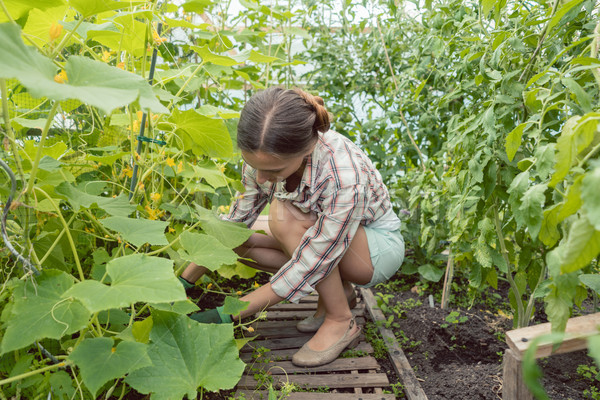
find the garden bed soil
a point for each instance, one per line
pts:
(455, 356)
(462, 359)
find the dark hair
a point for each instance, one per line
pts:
(281, 121)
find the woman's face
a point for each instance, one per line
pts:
(274, 168)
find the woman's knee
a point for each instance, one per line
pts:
(286, 219)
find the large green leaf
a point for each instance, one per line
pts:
(100, 361)
(39, 311)
(18, 8)
(138, 231)
(532, 204)
(581, 247)
(559, 300)
(203, 135)
(92, 82)
(88, 8)
(130, 36)
(217, 59)
(134, 278)
(513, 140)
(590, 195)
(577, 134)
(591, 280)
(187, 355)
(549, 233)
(118, 206)
(231, 234)
(516, 190)
(205, 250)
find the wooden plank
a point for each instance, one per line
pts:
(325, 380)
(401, 365)
(282, 355)
(356, 389)
(264, 395)
(339, 365)
(513, 386)
(273, 315)
(299, 307)
(280, 343)
(284, 328)
(576, 334)
(293, 307)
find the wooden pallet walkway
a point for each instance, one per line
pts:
(357, 376)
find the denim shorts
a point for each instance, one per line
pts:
(387, 253)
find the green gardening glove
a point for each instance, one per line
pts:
(186, 284)
(212, 316)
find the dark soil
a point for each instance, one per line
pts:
(459, 355)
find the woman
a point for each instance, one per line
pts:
(330, 221)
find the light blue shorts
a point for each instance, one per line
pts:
(387, 253)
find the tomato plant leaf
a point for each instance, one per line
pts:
(205, 250)
(100, 360)
(134, 278)
(39, 311)
(590, 197)
(573, 199)
(187, 355)
(559, 300)
(513, 140)
(594, 348)
(591, 280)
(544, 160)
(549, 233)
(516, 190)
(532, 204)
(431, 273)
(581, 247)
(138, 231)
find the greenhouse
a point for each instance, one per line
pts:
(301, 199)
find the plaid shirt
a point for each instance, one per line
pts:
(341, 185)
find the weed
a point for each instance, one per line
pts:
(372, 336)
(397, 390)
(455, 318)
(590, 373)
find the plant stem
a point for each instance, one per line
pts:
(32, 373)
(64, 41)
(60, 235)
(40, 149)
(187, 82)
(447, 280)
(173, 242)
(531, 301)
(9, 132)
(541, 41)
(412, 140)
(594, 52)
(68, 232)
(511, 281)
